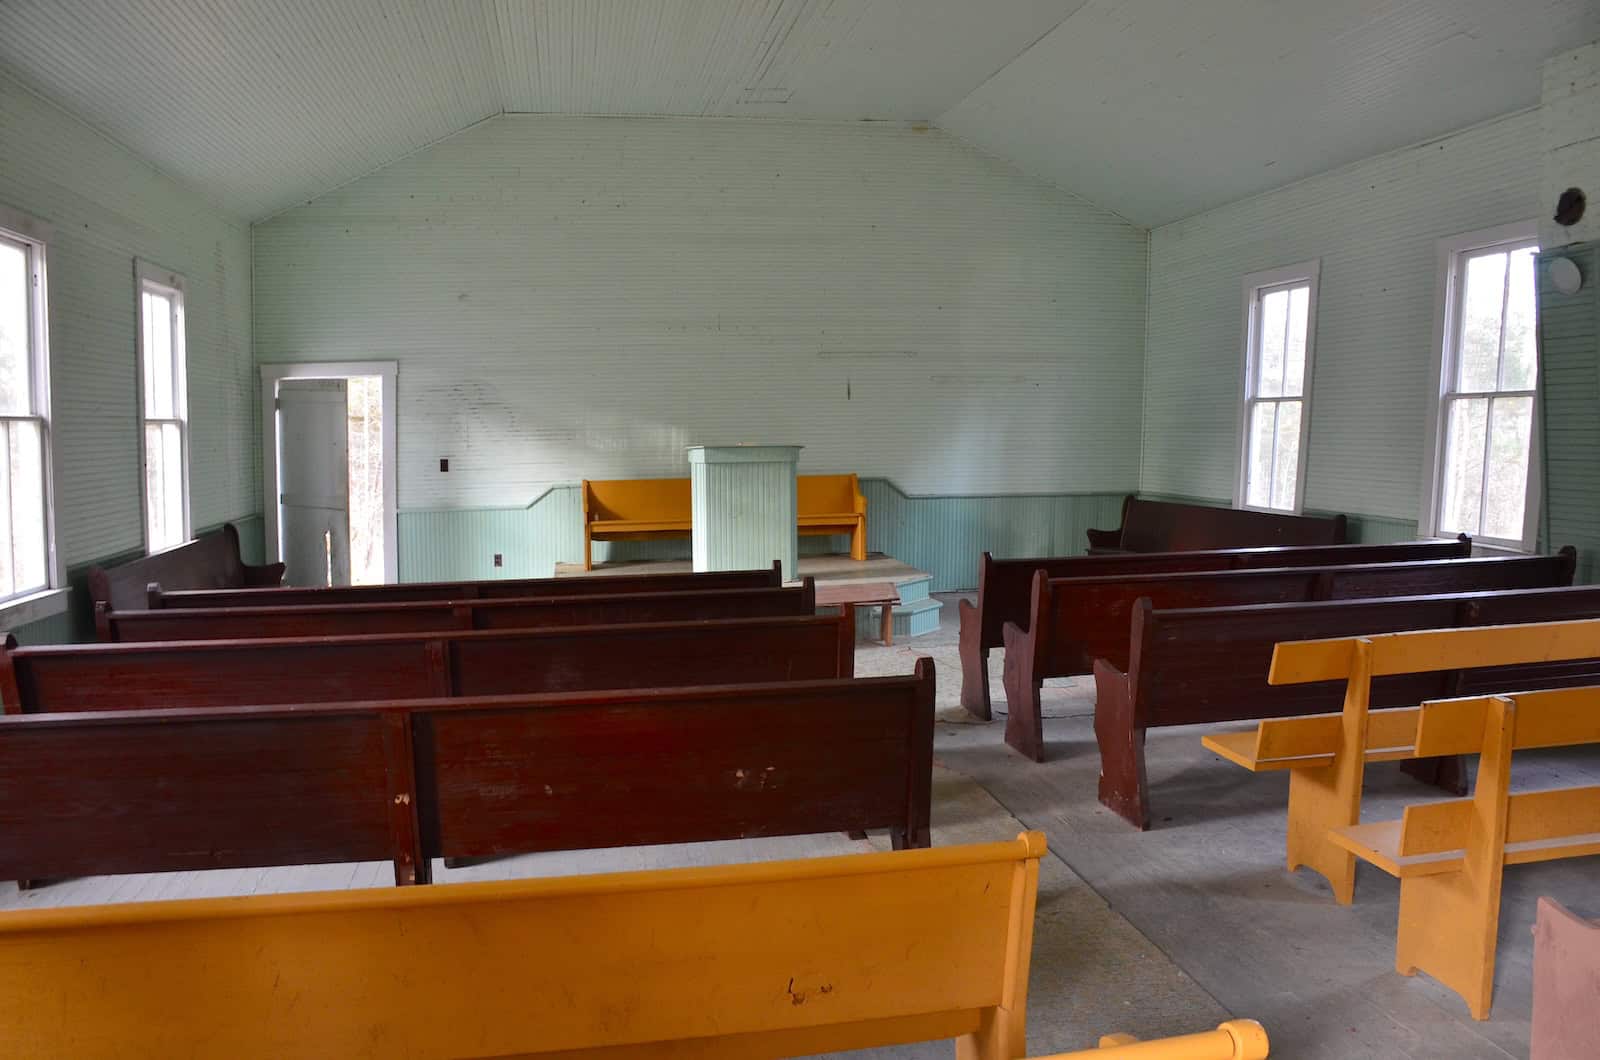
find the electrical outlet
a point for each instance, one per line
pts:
(498, 562)
(444, 463)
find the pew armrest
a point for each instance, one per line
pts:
(264, 576)
(1106, 539)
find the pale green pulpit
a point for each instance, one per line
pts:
(743, 506)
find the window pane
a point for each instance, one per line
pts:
(155, 491)
(1518, 363)
(1269, 359)
(1463, 470)
(1511, 425)
(1479, 363)
(15, 394)
(1288, 463)
(30, 559)
(1294, 360)
(7, 561)
(172, 477)
(158, 356)
(1258, 479)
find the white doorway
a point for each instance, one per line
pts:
(328, 460)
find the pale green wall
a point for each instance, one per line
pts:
(1569, 341)
(106, 207)
(1375, 227)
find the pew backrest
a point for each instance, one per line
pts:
(1079, 620)
(1005, 586)
(411, 616)
(771, 578)
(73, 677)
(411, 780)
(1170, 526)
(210, 561)
(766, 959)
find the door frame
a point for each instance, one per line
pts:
(271, 375)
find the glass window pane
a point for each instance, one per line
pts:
(1288, 463)
(155, 493)
(1478, 365)
(1466, 428)
(15, 394)
(1518, 364)
(172, 477)
(30, 557)
(7, 561)
(1258, 477)
(1511, 428)
(1294, 359)
(158, 357)
(1269, 357)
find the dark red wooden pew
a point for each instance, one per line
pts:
(1172, 526)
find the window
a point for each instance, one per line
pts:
(164, 408)
(27, 563)
(1482, 429)
(1279, 308)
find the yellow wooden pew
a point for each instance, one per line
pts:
(759, 960)
(1325, 782)
(1450, 856)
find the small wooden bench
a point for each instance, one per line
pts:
(1450, 856)
(768, 959)
(412, 616)
(284, 596)
(1169, 526)
(413, 780)
(1074, 621)
(832, 504)
(1326, 781)
(208, 562)
(212, 673)
(847, 596)
(1005, 587)
(1566, 984)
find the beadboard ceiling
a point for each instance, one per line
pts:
(1153, 108)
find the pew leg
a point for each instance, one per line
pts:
(974, 663)
(913, 839)
(858, 836)
(1024, 716)
(1123, 787)
(1448, 773)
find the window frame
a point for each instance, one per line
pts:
(33, 605)
(1452, 253)
(147, 275)
(1308, 273)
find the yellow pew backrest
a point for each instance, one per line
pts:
(637, 499)
(758, 960)
(1557, 717)
(826, 494)
(1296, 662)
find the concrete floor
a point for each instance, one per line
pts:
(1163, 932)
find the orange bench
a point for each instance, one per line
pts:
(643, 509)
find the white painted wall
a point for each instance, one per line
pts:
(583, 297)
(107, 207)
(1570, 119)
(1374, 225)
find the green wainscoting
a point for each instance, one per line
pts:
(1569, 347)
(76, 624)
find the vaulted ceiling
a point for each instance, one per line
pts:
(1153, 108)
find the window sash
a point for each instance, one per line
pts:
(1277, 454)
(11, 586)
(1256, 390)
(163, 403)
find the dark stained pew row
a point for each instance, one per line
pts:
(211, 561)
(1210, 665)
(1074, 621)
(160, 595)
(1172, 526)
(409, 781)
(1005, 586)
(214, 673)
(414, 616)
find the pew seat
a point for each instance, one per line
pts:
(1170, 526)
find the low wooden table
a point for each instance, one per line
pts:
(847, 596)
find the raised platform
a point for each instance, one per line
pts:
(916, 614)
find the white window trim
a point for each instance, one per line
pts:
(145, 272)
(1449, 250)
(271, 376)
(54, 598)
(1309, 272)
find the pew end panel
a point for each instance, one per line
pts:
(1024, 672)
(869, 949)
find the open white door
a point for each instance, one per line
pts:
(313, 481)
